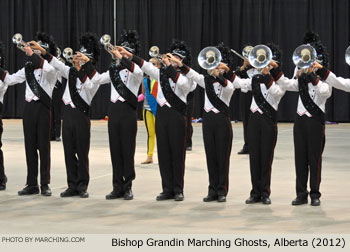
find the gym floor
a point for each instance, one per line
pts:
(39, 214)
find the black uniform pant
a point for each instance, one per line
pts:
(262, 137)
(122, 129)
(2, 168)
(217, 136)
(171, 146)
(56, 112)
(245, 102)
(36, 127)
(76, 145)
(309, 141)
(189, 112)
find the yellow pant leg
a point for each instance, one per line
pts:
(150, 120)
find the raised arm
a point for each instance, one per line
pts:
(244, 84)
(3, 86)
(337, 82)
(284, 82)
(322, 88)
(57, 64)
(95, 77)
(19, 76)
(147, 67)
(193, 75)
(13, 79)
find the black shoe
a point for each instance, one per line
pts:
(315, 202)
(29, 190)
(45, 190)
(164, 196)
(128, 195)
(189, 148)
(58, 139)
(222, 198)
(3, 184)
(114, 195)
(252, 200)
(299, 201)
(210, 198)
(243, 151)
(84, 194)
(69, 192)
(179, 197)
(266, 200)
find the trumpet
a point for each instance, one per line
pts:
(17, 39)
(154, 53)
(69, 55)
(105, 40)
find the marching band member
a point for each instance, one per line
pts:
(57, 94)
(245, 100)
(3, 88)
(171, 117)
(77, 98)
(262, 130)
(125, 78)
(189, 112)
(150, 111)
(217, 128)
(40, 79)
(309, 126)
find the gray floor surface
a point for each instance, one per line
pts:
(38, 214)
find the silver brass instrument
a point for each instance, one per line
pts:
(68, 54)
(17, 39)
(239, 55)
(209, 58)
(59, 53)
(304, 56)
(105, 40)
(347, 55)
(154, 52)
(260, 56)
(245, 52)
